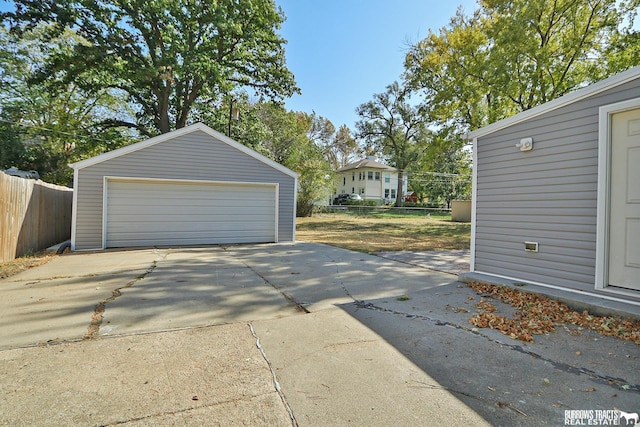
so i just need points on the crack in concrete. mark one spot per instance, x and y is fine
(564, 367)
(610, 381)
(299, 306)
(467, 394)
(276, 384)
(342, 285)
(179, 411)
(98, 312)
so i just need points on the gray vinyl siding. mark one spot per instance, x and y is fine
(548, 195)
(194, 156)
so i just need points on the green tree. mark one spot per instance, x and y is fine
(284, 131)
(315, 182)
(165, 55)
(50, 126)
(12, 150)
(393, 127)
(623, 51)
(286, 137)
(343, 148)
(339, 147)
(512, 55)
(321, 130)
(444, 172)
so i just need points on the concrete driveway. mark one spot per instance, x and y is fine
(302, 334)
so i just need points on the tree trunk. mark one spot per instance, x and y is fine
(163, 110)
(399, 195)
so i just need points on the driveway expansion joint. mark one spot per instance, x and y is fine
(98, 312)
(276, 384)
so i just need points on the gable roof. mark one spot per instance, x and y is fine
(601, 86)
(177, 133)
(366, 163)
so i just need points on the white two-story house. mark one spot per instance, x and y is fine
(369, 179)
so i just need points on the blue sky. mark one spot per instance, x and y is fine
(342, 52)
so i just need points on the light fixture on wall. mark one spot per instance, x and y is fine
(525, 144)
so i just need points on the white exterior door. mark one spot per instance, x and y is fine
(624, 227)
(166, 213)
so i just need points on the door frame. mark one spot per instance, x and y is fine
(604, 195)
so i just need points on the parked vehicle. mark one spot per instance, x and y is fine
(343, 199)
(13, 171)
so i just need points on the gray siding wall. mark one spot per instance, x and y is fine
(548, 195)
(194, 156)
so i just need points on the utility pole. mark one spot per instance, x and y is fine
(234, 114)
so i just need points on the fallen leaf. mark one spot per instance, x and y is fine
(589, 390)
(195, 397)
(537, 314)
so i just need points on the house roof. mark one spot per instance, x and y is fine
(366, 163)
(177, 133)
(570, 98)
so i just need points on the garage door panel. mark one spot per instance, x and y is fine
(173, 242)
(190, 187)
(150, 213)
(196, 214)
(194, 197)
(188, 200)
(183, 238)
(164, 227)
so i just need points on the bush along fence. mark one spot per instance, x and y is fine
(33, 216)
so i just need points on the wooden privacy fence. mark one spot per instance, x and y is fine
(33, 215)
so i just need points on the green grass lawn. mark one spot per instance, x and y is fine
(377, 231)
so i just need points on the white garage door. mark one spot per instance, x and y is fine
(167, 213)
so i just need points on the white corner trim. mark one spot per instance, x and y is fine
(105, 197)
(74, 210)
(474, 201)
(604, 179)
(571, 290)
(276, 229)
(295, 209)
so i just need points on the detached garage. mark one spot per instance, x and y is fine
(193, 186)
(556, 193)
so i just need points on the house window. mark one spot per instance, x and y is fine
(353, 190)
(393, 193)
(362, 191)
(377, 176)
(353, 176)
(387, 178)
(359, 176)
(344, 181)
(370, 176)
(386, 193)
